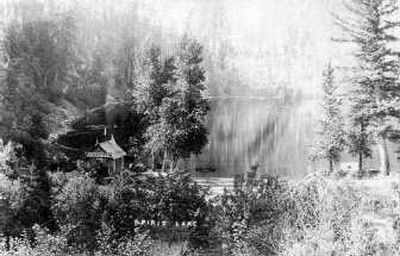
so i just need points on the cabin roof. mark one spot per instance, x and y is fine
(108, 149)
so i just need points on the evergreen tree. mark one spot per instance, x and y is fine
(190, 82)
(36, 207)
(359, 138)
(180, 131)
(333, 135)
(376, 85)
(160, 72)
(89, 86)
(150, 92)
(41, 60)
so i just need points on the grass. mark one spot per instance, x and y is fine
(358, 217)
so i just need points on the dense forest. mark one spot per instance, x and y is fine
(60, 97)
(77, 80)
(240, 56)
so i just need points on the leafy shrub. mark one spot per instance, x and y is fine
(46, 244)
(172, 197)
(77, 204)
(12, 197)
(43, 244)
(249, 218)
(139, 245)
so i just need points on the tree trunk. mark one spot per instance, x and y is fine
(384, 154)
(174, 163)
(330, 166)
(164, 162)
(360, 163)
(153, 162)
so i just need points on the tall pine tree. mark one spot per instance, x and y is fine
(371, 27)
(333, 135)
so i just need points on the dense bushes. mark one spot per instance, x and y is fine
(77, 205)
(270, 216)
(85, 208)
(259, 214)
(47, 244)
(313, 216)
(172, 197)
(25, 194)
(82, 208)
(248, 218)
(12, 197)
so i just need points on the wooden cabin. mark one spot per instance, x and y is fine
(109, 152)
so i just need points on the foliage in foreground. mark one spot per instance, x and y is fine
(314, 216)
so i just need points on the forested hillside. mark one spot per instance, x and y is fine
(248, 55)
(104, 103)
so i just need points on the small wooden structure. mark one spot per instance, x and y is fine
(111, 153)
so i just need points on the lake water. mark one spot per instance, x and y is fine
(276, 136)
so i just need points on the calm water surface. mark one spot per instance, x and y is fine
(276, 136)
